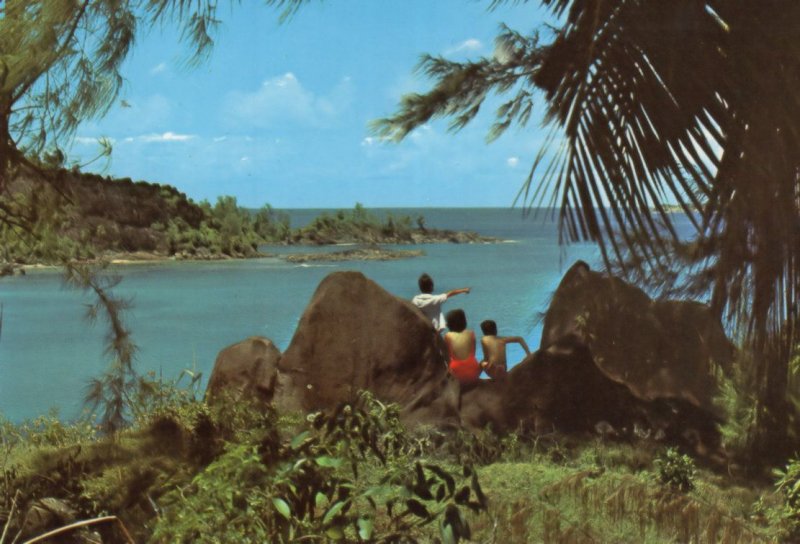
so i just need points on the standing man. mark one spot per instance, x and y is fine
(430, 304)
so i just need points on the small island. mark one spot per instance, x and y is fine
(88, 217)
(372, 253)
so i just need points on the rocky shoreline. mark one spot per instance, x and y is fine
(357, 254)
(370, 252)
(415, 236)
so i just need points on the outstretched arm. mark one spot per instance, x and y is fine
(517, 340)
(455, 292)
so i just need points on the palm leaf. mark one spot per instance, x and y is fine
(653, 103)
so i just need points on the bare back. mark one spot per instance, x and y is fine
(462, 344)
(494, 350)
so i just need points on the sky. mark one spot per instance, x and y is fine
(280, 113)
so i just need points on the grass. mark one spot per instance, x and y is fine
(550, 490)
(609, 492)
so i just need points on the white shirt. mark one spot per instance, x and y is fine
(431, 306)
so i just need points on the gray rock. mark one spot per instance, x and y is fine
(247, 368)
(658, 348)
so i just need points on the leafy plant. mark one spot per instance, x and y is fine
(788, 485)
(739, 408)
(345, 477)
(46, 430)
(676, 470)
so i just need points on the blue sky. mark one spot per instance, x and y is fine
(279, 113)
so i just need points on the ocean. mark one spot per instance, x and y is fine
(184, 313)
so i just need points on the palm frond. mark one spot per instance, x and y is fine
(655, 103)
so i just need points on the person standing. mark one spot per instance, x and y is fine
(430, 304)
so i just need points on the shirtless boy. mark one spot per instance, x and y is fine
(494, 349)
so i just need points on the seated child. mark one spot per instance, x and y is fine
(494, 349)
(461, 348)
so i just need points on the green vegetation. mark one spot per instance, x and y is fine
(92, 217)
(676, 470)
(234, 472)
(361, 226)
(638, 118)
(356, 225)
(788, 484)
(185, 471)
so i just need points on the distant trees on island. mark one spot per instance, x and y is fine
(90, 216)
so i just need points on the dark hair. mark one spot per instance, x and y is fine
(425, 283)
(456, 320)
(489, 327)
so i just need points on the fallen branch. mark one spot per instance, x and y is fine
(16, 495)
(78, 525)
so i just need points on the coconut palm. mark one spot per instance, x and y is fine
(690, 102)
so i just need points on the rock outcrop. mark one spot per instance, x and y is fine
(558, 388)
(354, 335)
(659, 349)
(562, 389)
(248, 368)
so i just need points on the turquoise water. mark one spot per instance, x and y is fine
(184, 313)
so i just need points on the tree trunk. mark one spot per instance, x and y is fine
(769, 440)
(7, 148)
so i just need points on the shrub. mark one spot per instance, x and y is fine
(788, 485)
(47, 430)
(738, 405)
(676, 470)
(345, 477)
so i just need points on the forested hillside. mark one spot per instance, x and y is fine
(80, 216)
(85, 216)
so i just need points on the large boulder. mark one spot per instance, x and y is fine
(246, 369)
(354, 335)
(659, 349)
(560, 388)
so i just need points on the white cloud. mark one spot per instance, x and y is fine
(220, 138)
(283, 99)
(244, 159)
(91, 140)
(163, 137)
(469, 45)
(158, 68)
(512, 161)
(374, 140)
(167, 137)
